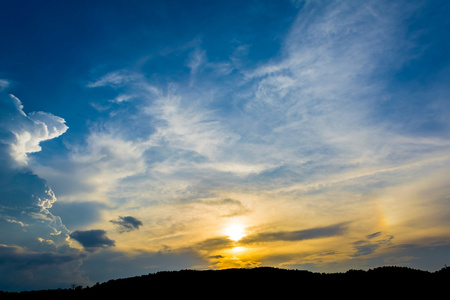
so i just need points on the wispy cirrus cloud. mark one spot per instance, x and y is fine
(187, 126)
(4, 84)
(303, 138)
(302, 122)
(114, 79)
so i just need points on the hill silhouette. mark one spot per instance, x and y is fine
(387, 282)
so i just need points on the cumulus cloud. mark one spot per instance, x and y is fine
(92, 240)
(34, 242)
(25, 197)
(127, 223)
(23, 133)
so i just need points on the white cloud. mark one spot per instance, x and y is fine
(103, 162)
(121, 98)
(310, 105)
(298, 130)
(114, 79)
(196, 59)
(186, 125)
(4, 84)
(28, 131)
(26, 198)
(320, 95)
(35, 243)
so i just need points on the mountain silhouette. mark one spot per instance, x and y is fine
(263, 282)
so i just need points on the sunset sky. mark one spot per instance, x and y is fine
(141, 136)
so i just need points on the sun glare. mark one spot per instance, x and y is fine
(238, 249)
(235, 231)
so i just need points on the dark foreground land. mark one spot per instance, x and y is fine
(265, 283)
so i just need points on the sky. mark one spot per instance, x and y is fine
(145, 136)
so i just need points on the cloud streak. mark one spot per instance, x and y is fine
(114, 79)
(370, 244)
(296, 235)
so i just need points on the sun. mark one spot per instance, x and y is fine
(235, 231)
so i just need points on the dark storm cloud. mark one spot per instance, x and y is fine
(128, 223)
(21, 268)
(13, 255)
(92, 239)
(299, 235)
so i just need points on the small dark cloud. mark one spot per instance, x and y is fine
(299, 235)
(364, 248)
(373, 235)
(370, 244)
(92, 239)
(128, 223)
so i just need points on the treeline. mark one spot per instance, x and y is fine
(267, 282)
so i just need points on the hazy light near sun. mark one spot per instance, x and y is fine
(235, 231)
(238, 249)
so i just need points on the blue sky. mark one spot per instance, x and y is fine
(139, 136)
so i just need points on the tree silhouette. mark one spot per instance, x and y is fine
(264, 282)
